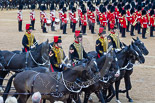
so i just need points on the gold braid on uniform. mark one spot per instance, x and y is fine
(59, 55)
(116, 40)
(104, 44)
(30, 38)
(79, 50)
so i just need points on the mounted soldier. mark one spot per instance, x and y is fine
(76, 50)
(113, 38)
(28, 39)
(57, 55)
(101, 43)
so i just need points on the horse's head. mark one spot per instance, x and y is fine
(45, 50)
(141, 46)
(141, 57)
(132, 54)
(2, 61)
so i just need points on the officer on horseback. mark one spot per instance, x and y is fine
(57, 55)
(28, 39)
(113, 38)
(101, 43)
(76, 50)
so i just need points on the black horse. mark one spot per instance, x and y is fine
(16, 62)
(140, 48)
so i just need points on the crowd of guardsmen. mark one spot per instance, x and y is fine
(125, 16)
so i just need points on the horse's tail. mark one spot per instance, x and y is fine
(8, 86)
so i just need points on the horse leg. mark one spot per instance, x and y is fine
(100, 96)
(44, 100)
(2, 76)
(117, 83)
(76, 98)
(86, 97)
(22, 99)
(128, 87)
(111, 94)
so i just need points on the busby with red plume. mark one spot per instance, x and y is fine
(28, 26)
(77, 34)
(57, 39)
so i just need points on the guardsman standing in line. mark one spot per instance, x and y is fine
(89, 5)
(97, 12)
(41, 17)
(123, 23)
(152, 22)
(52, 17)
(84, 21)
(76, 50)
(101, 43)
(132, 21)
(64, 20)
(144, 22)
(128, 15)
(57, 55)
(74, 21)
(108, 16)
(103, 19)
(119, 19)
(139, 15)
(44, 19)
(70, 15)
(28, 40)
(60, 14)
(92, 19)
(112, 16)
(80, 12)
(32, 16)
(20, 18)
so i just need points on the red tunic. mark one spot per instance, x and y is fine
(92, 18)
(20, 17)
(64, 18)
(83, 20)
(144, 22)
(152, 21)
(103, 19)
(32, 15)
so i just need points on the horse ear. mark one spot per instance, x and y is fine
(134, 39)
(47, 41)
(124, 44)
(137, 38)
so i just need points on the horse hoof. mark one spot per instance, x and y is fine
(118, 101)
(130, 100)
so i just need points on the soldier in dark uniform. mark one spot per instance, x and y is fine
(57, 55)
(113, 38)
(28, 39)
(76, 50)
(101, 43)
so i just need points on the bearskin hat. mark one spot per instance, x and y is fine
(109, 7)
(106, 3)
(151, 12)
(73, 9)
(132, 11)
(52, 7)
(100, 7)
(103, 9)
(150, 6)
(61, 5)
(153, 7)
(139, 8)
(70, 7)
(84, 11)
(119, 5)
(97, 3)
(20, 7)
(144, 12)
(123, 4)
(123, 12)
(80, 2)
(88, 3)
(92, 8)
(133, 4)
(64, 9)
(32, 6)
(143, 4)
(120, 0)
(112, 9)
(113, 1)
(115, 4)
(44, 7)
(72, 3)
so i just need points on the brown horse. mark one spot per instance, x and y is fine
(49, 83)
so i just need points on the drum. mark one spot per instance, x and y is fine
(57, 21)
(48, 23)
